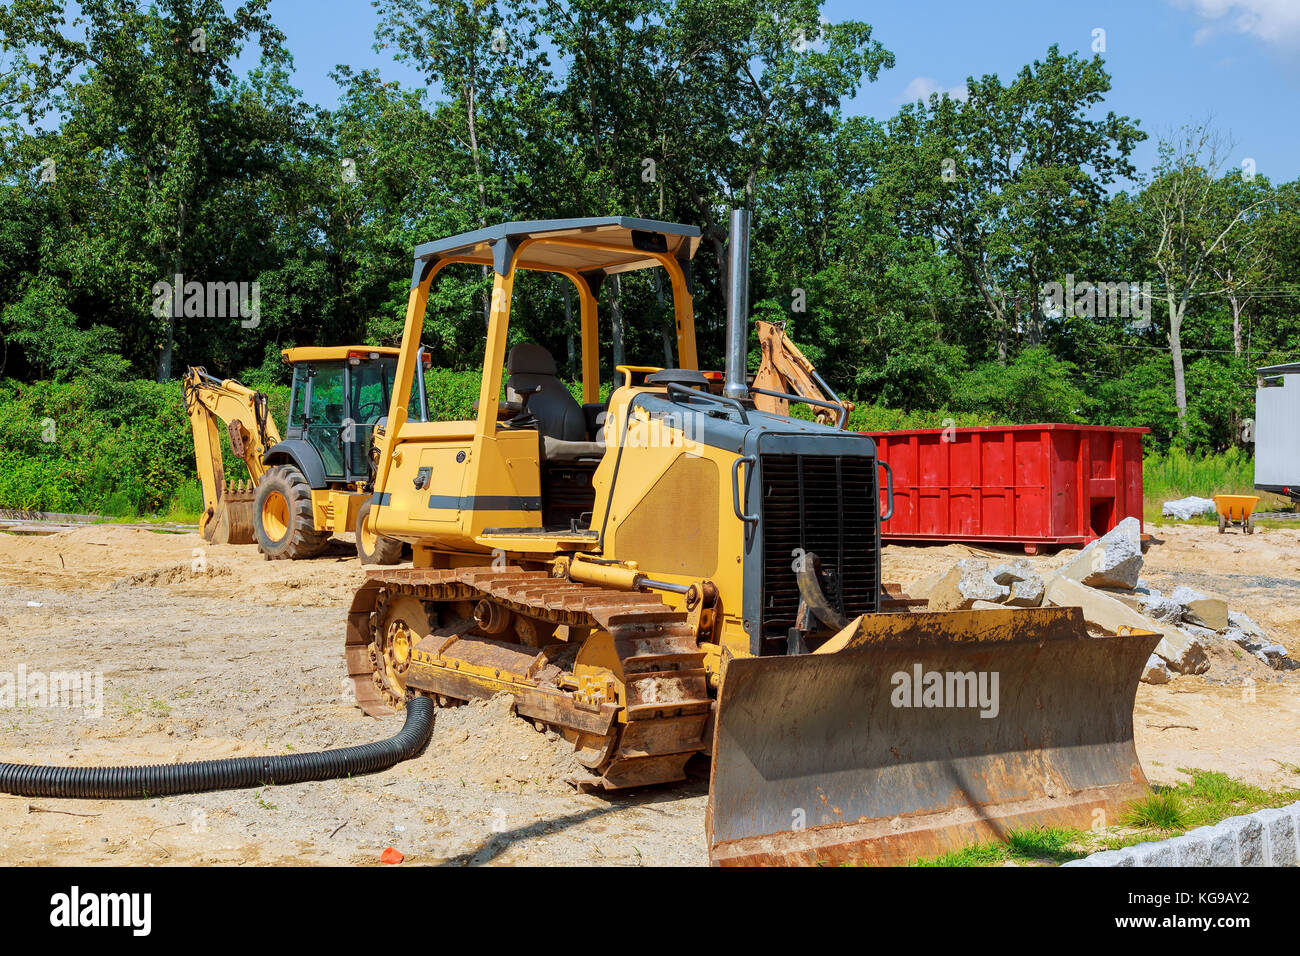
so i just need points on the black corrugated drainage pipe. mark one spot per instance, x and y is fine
(159, 780)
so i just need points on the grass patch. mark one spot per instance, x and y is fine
(1208, 797)
(1031, 845)
(1205, 799)
(1213, 796)
(1177, 474)
(1159, 810)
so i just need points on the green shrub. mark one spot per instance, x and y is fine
(121, 449)
(1177, 474)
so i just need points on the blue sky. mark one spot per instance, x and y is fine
(1171, 61)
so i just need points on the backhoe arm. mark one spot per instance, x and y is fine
(785, 369)
(209, 400)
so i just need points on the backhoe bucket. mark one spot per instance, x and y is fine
(232, 521)
(922, 733)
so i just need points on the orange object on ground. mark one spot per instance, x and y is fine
(391, 855)
(1236, 510)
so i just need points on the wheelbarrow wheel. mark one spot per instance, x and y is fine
(1223, 524)
(1250, 525)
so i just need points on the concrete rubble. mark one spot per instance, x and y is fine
(1112, 561)
(1206, 610)
(1026, 584)
(967, 582)
(1104, 581)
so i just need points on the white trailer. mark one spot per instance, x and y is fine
(1277, 430)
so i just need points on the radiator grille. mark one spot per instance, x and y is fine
(827, 505)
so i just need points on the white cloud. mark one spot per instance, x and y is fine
(1275, 21)
(921, 88)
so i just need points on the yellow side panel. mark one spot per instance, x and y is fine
(674, 528)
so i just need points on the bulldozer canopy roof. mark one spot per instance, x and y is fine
(597, 245)
(334, 353)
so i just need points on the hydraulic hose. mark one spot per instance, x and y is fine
(158, 780)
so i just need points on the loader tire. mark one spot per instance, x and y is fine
(283, 520)
(375, 548)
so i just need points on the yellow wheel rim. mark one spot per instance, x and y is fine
(275, 516)
(369, 540)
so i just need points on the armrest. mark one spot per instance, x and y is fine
(504, 409)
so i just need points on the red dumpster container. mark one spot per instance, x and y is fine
(1033, 485)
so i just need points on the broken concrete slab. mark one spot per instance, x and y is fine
(1133, 599)
(1027, 592)
(1271, 654)
(965, 583)
(1184, 653)
(1207, 610)
(1241, 639)
(1099, 609)
(923, 587)
(1113, 561)
(1156, 671)
(1242, 622)
(1162, 609)
(1018, 570)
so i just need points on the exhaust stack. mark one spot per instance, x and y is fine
(737, 305)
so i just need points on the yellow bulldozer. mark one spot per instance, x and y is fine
(674, 573)
(314, 482)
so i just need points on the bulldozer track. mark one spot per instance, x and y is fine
(662, 708)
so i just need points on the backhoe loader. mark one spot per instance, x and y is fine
(672, 573)
(317, 480)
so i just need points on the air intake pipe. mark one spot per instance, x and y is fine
(735, 385)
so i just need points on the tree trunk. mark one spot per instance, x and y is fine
(1236, 323)
(169, 342)
(668, 321)
(566, 294)
(1176, 311)
(616, 318)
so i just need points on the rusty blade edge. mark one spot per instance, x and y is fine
(896, 841)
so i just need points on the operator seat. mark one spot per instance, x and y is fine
(559, 417)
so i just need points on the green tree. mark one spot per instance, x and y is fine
(1011, 179)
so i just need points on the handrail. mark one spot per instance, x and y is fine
(689, 393)
(735, 487)
(786, 396)
(889, 488)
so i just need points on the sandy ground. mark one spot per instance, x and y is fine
(211, 652)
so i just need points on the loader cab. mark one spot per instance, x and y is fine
(526, 465)
(336, 398)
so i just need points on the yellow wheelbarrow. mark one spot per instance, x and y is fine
(1236, 510)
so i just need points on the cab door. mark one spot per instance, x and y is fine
(325, 423)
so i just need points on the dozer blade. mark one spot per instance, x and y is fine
(856, 756)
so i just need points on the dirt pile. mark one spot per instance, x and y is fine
(176, 574)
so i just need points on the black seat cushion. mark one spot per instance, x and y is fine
(557, 412)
